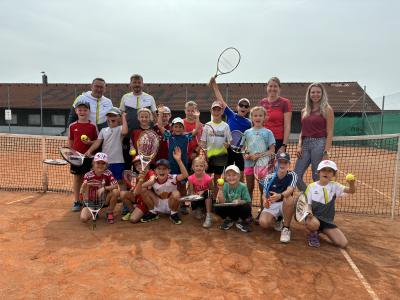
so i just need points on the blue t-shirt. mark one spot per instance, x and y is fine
(181, 141)
(280, 185)
(257, 140)
(235, 121)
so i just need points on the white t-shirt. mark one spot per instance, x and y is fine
(112, 144)
(164, 190)
(323, 194)
(215, 137)
(143, 100)
(98, 107)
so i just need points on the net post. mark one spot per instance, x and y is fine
(395, 178)
(45, 179)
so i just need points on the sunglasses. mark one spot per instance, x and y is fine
(244, 105)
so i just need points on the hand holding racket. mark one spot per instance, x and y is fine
(94, 197)
(72, 156)
(228, 61)
(301, 208)
(237, 142)
(129, 179)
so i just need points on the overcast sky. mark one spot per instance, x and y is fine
(179, 41)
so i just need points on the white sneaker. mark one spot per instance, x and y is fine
(208, 221)
(285, 235)
(278, 225)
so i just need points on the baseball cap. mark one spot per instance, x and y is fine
(162, 162)
(82, 102)
(233, 168)
(166, 110)
(244, 100)
(177, 120)
(327, 164)
(114, 111)
(101, 157)
(135, 159)
(216, 104)
(283, 156)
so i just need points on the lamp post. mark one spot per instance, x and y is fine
(44, 82)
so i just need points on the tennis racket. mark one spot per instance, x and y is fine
(263, 166)
(228, 61)
(301, 208)
(209, 133)
(225, 204)
(94, 198)
(191, 198)
(148, 143)
(129, 179)
(55, 162)
(72, 156)
(267, 185)
(236, 142)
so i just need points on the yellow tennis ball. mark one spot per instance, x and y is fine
(220, 181)
(132, 152)
(84, 138)
(350, 177)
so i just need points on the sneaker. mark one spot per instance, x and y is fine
(243, 226)
(313, 239)
(198, 213)
(175, 219)
(126, 217)
(285, 235)
(208, 221)
(149, 217)
(278, 225)
(125, 210)
(76, 206)
(183, 209)
(110, 218)
(228, 223)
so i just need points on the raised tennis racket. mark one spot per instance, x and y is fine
(129, 179)
(148, 143)
(72, 156)
(236, 142)
(94, 198)
(228, 61)
(301, 208)
(55, 162)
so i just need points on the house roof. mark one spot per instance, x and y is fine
(343, 96)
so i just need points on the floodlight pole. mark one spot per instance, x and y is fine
(44, 82)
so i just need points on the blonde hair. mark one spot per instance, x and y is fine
(199, 159)
(145, 109)
(258, 108)
(190, 103)
(323, 103)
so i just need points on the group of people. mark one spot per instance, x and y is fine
(192, 157)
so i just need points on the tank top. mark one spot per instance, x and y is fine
(313, 126)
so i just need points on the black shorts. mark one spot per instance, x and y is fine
(82, 170)
(235, 158)
(278, 144)
(324, 225)
(216, 164)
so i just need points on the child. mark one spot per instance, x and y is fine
(234, 191)
(256, 140)
(165, 114)
(100, 173)
(321, 197)
(216, 137)
(137, 195)
(280, 197)
(167, 196)
(110, 138)
(200, 183)
(83, 126)
(190, 124)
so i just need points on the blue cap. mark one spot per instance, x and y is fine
(82, 102)
(162, 162)
(283, 156)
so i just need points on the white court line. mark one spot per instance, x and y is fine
(20, 200)
(359, 275)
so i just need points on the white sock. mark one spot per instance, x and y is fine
(153, 211)
(173, 212)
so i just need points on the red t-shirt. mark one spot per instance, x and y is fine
(76, 130)
(275, 111)
(107, 176)
(193, 144)
(314, 126)
(163, 148)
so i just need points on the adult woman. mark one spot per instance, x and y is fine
(279, 114)
(316, 134)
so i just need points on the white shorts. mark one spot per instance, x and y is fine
(162, 206)
(275, 209)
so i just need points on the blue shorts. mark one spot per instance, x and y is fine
(117, 170)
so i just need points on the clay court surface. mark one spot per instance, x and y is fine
(47, 253)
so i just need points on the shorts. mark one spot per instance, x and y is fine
(140, 204)
(235, 158)
(217, 163)
(117, 170)
(162, 206)
(201, 203)
(325, 225)
(275, 209)
(82, 170)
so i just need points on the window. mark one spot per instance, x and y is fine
(34, 119)
(58, 120)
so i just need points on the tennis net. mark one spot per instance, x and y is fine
(374, 160)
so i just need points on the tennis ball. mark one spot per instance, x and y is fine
(84, 138)
(350, 177)
(132, 152)
(220, 181)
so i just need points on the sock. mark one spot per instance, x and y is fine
(173, 212)
(153, 211)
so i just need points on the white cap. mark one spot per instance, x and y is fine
(166, 110)
(327, 164)
(178, 120)
(233, 168)
(101, 157)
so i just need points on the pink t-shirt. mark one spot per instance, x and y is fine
(200, 185)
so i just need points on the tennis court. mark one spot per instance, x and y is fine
(47, 253)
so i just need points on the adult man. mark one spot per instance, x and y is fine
(131, 102)
(99, 104)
